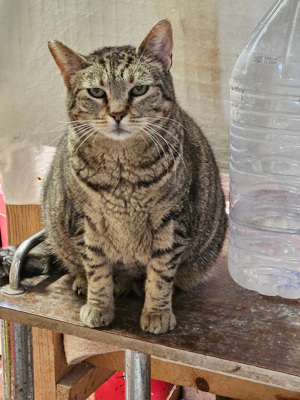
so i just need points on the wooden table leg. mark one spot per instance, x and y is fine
(49, 362)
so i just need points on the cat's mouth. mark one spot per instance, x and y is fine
(120, 130)
(119, 133)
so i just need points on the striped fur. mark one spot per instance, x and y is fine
(133, 192)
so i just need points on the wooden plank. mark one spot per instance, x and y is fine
(212, 325)
(22, 222)
(223, 385)
(226, 386)
(82, 381)
(114, 361)
(49, 362)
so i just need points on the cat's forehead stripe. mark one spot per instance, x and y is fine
(118, 66)
(121, 65)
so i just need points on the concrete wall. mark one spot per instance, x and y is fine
(208, 36)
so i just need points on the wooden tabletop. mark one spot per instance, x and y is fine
(220, 327)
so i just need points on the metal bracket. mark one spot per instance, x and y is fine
(14, 287)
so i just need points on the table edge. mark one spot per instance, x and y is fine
(196, 360)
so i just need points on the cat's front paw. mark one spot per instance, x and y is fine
(158, 322)
(80, 285)
(95, 317)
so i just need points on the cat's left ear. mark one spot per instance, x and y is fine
(67, 60)
(158, 44)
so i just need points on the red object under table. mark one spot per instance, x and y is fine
(114, 389)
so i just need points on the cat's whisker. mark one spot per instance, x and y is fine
(81, 131)
(96, 136)
(155, 132)
(82, 134)
(82, 124)
(152, 133)
(153, 139)
(79, 121)
(167, 143)
(172, 152)
(81, 144)
(56, 128)
(63, 135)
(82, 127)
(72, 123)
(78, 129)
(141, 135)
(167, 118)
(61, 128)
(77, 124)
(67, 122)
(165, 130)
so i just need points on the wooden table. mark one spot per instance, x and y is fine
(228, 340)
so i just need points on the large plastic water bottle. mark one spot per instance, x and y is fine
(264, 228)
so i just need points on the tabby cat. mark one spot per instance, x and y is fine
(133, 193)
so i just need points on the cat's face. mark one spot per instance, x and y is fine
(119, 92)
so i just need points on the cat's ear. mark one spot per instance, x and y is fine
(158, 44)
(67, 60)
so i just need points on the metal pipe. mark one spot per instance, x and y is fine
(16, 342)
(14, 286)
(137, 375)
(16, 339)
(20, 255)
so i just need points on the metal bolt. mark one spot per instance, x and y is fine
(7, 289)
(202, 385)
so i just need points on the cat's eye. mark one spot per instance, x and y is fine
(97, 92)
(139, 90)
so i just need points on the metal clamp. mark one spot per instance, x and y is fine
(14, 287)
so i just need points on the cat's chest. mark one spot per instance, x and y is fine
(115, 185)
(125, 237)
(121, 209)
(115, 192)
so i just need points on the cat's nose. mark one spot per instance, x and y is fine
(118, 116)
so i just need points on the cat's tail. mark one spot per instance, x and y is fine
(40, 260)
